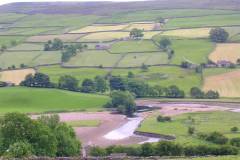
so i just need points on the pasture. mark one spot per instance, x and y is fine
(33, 100)
(94, 58)
(206, 122)
(27, 47)
(15, 76)
(134, 46)
(153, 15)
(31, 58)
(142, 26)
(188, 33)
(227, 84)
(55, 72)
(228, 52)
(10, 17)
(6, 40)
(100, 28)
(63, 37)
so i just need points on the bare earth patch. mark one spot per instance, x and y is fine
(227, 84)
(15, 76)
(228, 51)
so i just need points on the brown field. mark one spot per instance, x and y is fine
(15, 76)
(63, 37)
(188, 33)
(100, 28)
(143, 26)
(227, 51)
(227, 84)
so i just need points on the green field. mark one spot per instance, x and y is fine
(32, 58)
(212, 20)
(152, 15)
(27, 47)
(33, 100)
(6, 40)
(10, 17)
(80, 73)
(205, 122)
(134, 46)
(94, 58)
(215, 71)
(165, 76)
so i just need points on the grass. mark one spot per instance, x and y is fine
(152, 15)
(32, 58)
(193, 50)
(27, 47)
(63, 37)
(215, 71)
(149, 58)
(165, 76)
(228, 51)
(55, 72)
(211, 20)
(134, 46)
(100, 28)
(188, 33)
(38, 20)
(227, 84)
(142, 26)
(84, 123)
(205, 122)
(33, 100)
(6, 40)
(94, 58)
(10, 17)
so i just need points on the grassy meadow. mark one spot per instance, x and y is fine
(205, 122)
(34, 100)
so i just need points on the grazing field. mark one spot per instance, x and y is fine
(15, 76)
(32, 58)
(28, 31)
(165, 76)
(38, 20)
(193, 50)
(188, 33)
(142, 26)
(236, 38)
(152, 15)
(94, 58)
(63, 37)
(100, 28)
(227, 84)
(134, 46)
(10, 17)
(206, 122)
(212, 20)
(104, 36)
(27, 47)
(228, 51)
(215, 71)
(6, 40)
(138, 59)
(33, 100)
(55, 72)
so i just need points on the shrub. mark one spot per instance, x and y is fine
(147, 149)
(167, 148)
(216, 137)
(195, 92)
(234, 129)
(191, 130)
(98, 152)
(235, 142)
(19, 150)
(163, 119)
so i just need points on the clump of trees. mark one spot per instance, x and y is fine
(197, 93)
(165, 43)
(161, 118)
(218, 35)
(136, 33)
(214, 137)
(38, 80)
(47, 136)
(166, 148)
(54, 45)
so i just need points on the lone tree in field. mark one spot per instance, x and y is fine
(165, 43)
(136, 33)
(219, 35)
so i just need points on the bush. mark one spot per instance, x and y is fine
(218, 35)
(174, 92)
(191, 130)
(235, 142)
(212, 95)
(217, 138)
(163, 119)
(19, 150)
(147, 150)
(195, 92)
(68, 82)
(98, 152)
(234, 129)
(167, 148)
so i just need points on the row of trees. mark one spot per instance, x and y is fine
(21, 137)
(166, 148)
(197, 93)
